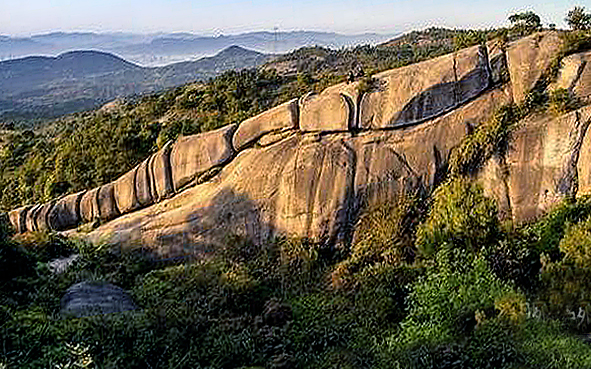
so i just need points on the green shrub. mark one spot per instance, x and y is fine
(561, 101)
(488, 139)
(450, 312)
(576, 244)
(460, 216)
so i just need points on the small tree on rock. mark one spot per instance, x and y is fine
(577, 19)
(525, 23)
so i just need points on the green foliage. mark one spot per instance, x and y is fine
(488, 139)
(525, 23)
(576, 244)
(561, 101)
(577, 19)
(467, 39)
(460, 217)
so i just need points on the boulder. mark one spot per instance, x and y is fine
(425, 90)
(18, 218)
(66, 212)
(528, 58)
(124, 192)
(95, 298)
(325, 113)
(282, 117)
(143, 184)
(89, 209)
(194, 155)
(352, 94)
(161, 173)
(107, 205)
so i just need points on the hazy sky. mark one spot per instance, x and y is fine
(25, 17)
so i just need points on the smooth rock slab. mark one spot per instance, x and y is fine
(125, 192)
(66, 212)
(325, 113)
(89, 208)
(194, 155)
(528, 58)
(282, 117)
(95, 298)
(18, 218)
(415, 93)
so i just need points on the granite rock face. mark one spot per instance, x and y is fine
(307, 168)
(528, 59)
(415, 93)
(281, 118)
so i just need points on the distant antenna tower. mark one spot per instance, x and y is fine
(275, 30)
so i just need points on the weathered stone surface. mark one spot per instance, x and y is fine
(41, 218)
(124, 192)
(143, 184)
(528, 58)
(106, 202)
(282, 117)
(584, 163)
(542, 162)
(30, 218)
(425, 90)
(575, 74)
(325, 112)
(192, 156)
(351, 93)
(89, 208)
(60, 265)
(315, 189)
(497, 56)
(18, 218)
(66, 212)
(493, 179)
(95, 298)
(161, 173)
(306, 185)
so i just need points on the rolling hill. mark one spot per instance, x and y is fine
(45, 87)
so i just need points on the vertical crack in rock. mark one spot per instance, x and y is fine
(312, 192)
(352, 124)
(344, 235)
(568, 184)
(580, 71)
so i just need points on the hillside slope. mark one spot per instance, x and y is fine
(307, 167)
(44, 87)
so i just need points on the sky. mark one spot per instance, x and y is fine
(27, 17)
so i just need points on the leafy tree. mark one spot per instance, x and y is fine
(525, 23)
(577, 19)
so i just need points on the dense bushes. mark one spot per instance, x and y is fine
(474, 298)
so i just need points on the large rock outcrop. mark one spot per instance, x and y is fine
(308, 167)
(422, 91)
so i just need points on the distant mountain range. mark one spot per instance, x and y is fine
(45, 87)
(161, 49)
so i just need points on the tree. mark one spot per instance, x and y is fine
(525, 23)
(577, 19)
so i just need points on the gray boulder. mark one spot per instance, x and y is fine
(95, 298)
